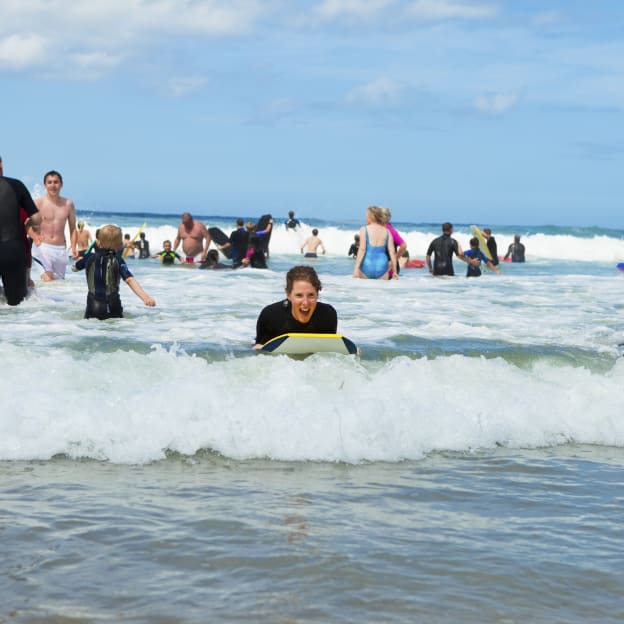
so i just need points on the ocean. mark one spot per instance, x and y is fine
(467, 467)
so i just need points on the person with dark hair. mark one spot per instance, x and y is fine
(516, 250)
(143, 246)
(49, 244)
(491, 244)
(313, 243)
(300, 312)
(17, 212)
(443, 248)
(291, 223)
(474, 257)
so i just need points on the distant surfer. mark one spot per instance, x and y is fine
(291, 223)
(300, 312)
(49, 244)
(474, 257)
(491, 245)
(516, 250)
(355, 245)
(312, 243)
(143, 246)
(195, 238)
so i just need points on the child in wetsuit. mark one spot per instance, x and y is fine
(474, 257)
(104, 268)
(167, 255)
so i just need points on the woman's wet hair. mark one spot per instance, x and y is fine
(305, 274)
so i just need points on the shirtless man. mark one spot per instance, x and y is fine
(83, 239)
(195, 238)
(49, 244)
(312, 243)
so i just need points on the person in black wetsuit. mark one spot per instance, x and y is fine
(492, 246)
(13, 253)
(300, 312)
(443, 249)
(104, 269)
(239, 243)
(516, 250)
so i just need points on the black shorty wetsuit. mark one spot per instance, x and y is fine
(104, 269)
(277, 319)
(443, 247)
(13, 255)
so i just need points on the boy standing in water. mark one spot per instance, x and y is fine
(474, 257)
(104, 268)
(313, 243)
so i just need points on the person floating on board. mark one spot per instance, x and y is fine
(195, 238)
(443, 248)
(167, 255)
(143, 246)
(104, 268)
(491, 244)
(474, 259)
(355, 245)
(49, 244)
(516, 250)
(312, 243)
(300, 312)
(291, 223)
(376, 258)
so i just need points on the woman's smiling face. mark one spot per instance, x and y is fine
(303, 298)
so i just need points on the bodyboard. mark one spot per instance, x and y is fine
(620, 266)
(482, 242)
(300, 344)
(220, 238)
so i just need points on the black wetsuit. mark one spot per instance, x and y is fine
(277, 319)
(239, 240)
(491, 244)
(516, 251)
(13, 255)
(104, 269)
(443, 247)
(143, 246)
(169, 257)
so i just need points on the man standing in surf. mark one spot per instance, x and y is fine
(49, 243)
(195, 238)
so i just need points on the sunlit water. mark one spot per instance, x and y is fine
(467, 467)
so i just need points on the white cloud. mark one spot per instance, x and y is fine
(495, 103)
(102, 33)
(379, 92)
(17, 51)
(432, 10)
(183, 85)
(332, 9)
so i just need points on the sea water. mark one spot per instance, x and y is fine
(468, 466)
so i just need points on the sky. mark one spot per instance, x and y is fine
(471, 111)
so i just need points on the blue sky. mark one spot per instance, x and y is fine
(486, 111)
